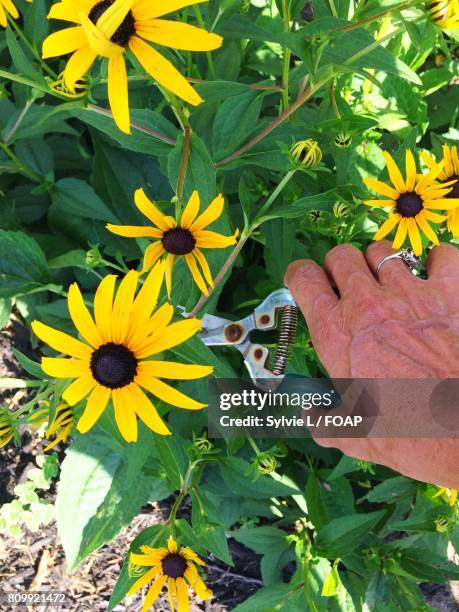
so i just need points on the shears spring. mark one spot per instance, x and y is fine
(280, 307)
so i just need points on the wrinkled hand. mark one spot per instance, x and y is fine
(389, 324)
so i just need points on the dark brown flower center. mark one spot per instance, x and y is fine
(178, 241)
(125, 30)
(454, 193)
(409, 204)
(113, 365)
(174, 565)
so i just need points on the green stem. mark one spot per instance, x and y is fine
(333, 99)
(183, 167)
(333, 8)
(210, 61)
(23, 169)
(31, 48)
(267, 205)
(287, 57)
(359, 24)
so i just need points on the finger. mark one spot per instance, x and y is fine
(349, 269)
(312, 292)
(443, 262)
(392, 272)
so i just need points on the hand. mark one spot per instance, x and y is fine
(386, 325)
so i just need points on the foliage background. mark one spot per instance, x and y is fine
(66, 171)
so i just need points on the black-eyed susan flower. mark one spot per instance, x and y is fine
(113, 359)
(7, 7)
(306, 153)
(444, 13)
(7, 427)
(412, 201)
(60, 426)
(179, 239)
(107, 28)
(450, 172)
(173, 566)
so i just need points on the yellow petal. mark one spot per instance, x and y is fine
(394, 173)
(153, 592)
(426, 228)
(143, 580)
(99, 43)
(152, 253)
(79, 389)
(146, 411)
(191, 210)
(134, 231)
(152, 213)
(205, 239)
(159, 320)
(113, 17)
(410, 164)
(379, 203)
(96, 404)
(61, 342)
(171, 336)
(197, 276)
(172, 370)
(169, 266)
(103, 306)
(434, 217)
(118, 94)
(64, 41)
(178, 35)
(81, 317)
(400, 236)
(387, 226)
(122, 306)
(211, 214)
(415, 236)
(64, 368)
(149, 9)
(204, 266)
(182, 596)
(168, 394)
(124, 413)
(69, 10)
(147, 297)
(381, 188)
(78, 65)
(163, 71)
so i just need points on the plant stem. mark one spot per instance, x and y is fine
(210, 61)
(287, 57)
(309, 92)
(183, 166)
(333, 8)
(223, 270)
(333, 99)
(23, 169)
(18, 121)
(359, 24)
(267, 205)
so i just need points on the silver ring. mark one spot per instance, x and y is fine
(406, 255)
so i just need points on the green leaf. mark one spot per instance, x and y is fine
(5, 312)
(20, 58)
(144, 123)
(100, 491)
(23, 267)
(173, 459)
(267, 599)
(31, 367)
(342, 535)
(214, 538)
(80, 199)
(391, 490)
(263, 540)
(234, 472)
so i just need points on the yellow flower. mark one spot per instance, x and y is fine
(61, 425)
(179, 240)
(307, 153)
(444, 13)
(450, 172)
(412, 201)
(174, 566)
(7, 428)
(107, 28)
(7, 8)
(113, 360)
(451, 495)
